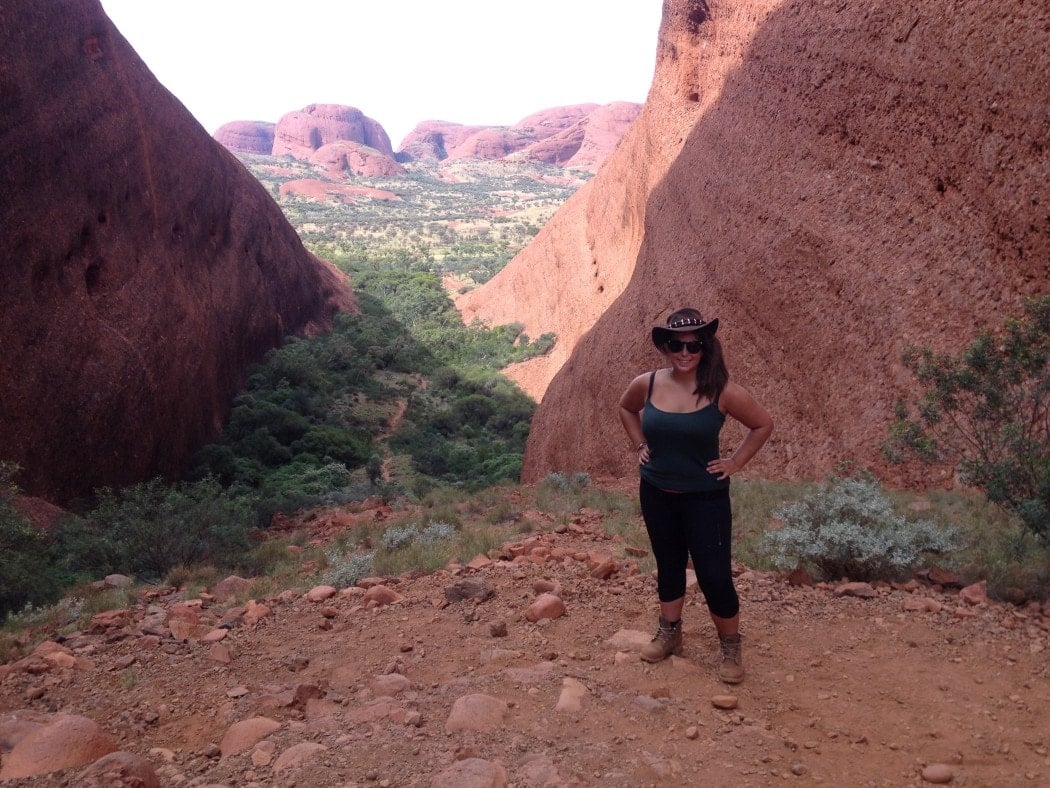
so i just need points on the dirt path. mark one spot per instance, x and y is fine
(840, 690)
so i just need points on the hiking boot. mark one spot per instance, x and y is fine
(667, 641)
(731, 669)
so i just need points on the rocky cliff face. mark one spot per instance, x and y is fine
(849, 179)
(144, 268)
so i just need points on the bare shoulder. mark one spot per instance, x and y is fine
(633, 397)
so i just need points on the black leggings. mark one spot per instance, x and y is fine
(700, 525)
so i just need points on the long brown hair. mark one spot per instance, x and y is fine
(711, 374)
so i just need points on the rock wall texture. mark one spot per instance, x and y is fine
(855, 177)
(144, 268)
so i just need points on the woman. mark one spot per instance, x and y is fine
(673, 417)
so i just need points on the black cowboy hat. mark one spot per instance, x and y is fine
(681, 325)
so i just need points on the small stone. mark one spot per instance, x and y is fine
(469, 588)
(321, 593)
(938, 773)
(859, 590)
(546, 606)
(724, 701)
(219, 653)
(976, 594)
(798, 769)
(692, 732)
(498, 629)
(237, 692)
(381, 595)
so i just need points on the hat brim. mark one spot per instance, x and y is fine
(662, 333)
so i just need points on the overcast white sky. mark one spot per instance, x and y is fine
(486, 62)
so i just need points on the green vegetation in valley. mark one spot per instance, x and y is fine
(465, 219)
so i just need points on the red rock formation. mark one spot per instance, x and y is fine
(344, 156)
(579, 135)
(586, 144)
(246, 136)
(852, 178)
(548, 122)
(144, 267)
(491, 143)
(432, 140)
(300, 133)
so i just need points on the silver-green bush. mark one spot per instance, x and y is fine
(847, 528)
(345, 569)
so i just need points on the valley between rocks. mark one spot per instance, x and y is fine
(361, 688)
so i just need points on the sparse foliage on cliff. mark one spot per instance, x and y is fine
(987, 411)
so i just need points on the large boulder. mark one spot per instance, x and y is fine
(833, 182)
(343, 157)
(247, 136)
(434, 140)
(144, 268)
(300, 133)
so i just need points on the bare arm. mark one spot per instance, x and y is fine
(739, 404)
(630, 410)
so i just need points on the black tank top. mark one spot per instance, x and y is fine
(680, 446)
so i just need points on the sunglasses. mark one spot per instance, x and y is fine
(676, 345)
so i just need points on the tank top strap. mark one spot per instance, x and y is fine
(652, 377)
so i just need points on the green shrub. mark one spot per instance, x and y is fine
(29, 572)
(987, 411)
(848, 528)
(150, 528)
(346, 568)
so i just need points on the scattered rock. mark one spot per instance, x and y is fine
(943, 577)
(119, 769)
(724, 701)
(469, 588)
(379, 595)
(297, 754)
(938, 773)
(243, 735)
(321, 593)
(64, 742)
(471, 773)
(476, 713)
(391, 684)
(229, 588)
(629, 640)
(861, 590)
(254, 612)
(976, 594)
(572, 694)
(546, 606)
